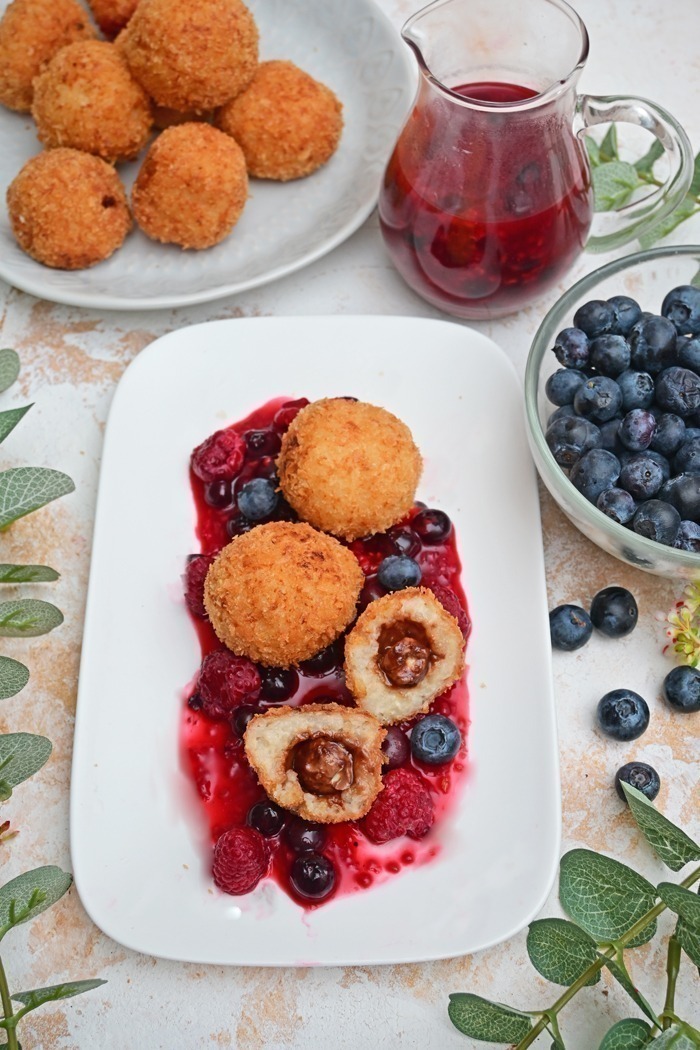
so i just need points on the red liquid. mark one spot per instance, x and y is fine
(213, 756)
(484, 210)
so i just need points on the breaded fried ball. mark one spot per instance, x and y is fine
(287, 123)
(191, 188)
(112, 15)
(31, 32)
(348, 467)
(68, 209)
(281, 592)
(192, 56)
(87, 99)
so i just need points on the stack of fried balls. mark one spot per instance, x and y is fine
(187, 72)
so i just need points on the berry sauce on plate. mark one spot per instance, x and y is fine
(212, 751)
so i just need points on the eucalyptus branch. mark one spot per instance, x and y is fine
(7, 1011)
(673, 964)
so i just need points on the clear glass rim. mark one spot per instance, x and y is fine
(549, 95)
(550, 326)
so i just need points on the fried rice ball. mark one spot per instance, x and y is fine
(31, 32)
(281, 592)
(112, 15)
(192, 56)
(86, 98)
(349, 468)
(68, 209)
(287, 123)
(191, 188)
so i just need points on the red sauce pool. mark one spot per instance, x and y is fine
(212, 754)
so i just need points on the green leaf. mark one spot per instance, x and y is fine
(630, 1034)
(660, 229)
(9, 368)
(677, 1037)
(10, 419)
(674, 847)
(481, 1019)
(604, 897)
(608, 147)
(21, 756)
(13, 677)
(593, 150)
(689, 939)
(561, 951)
(25, 489)
(31, 893)
(36, 998)
(646, 163)
(28, 617)
(623, 978)
(685, 903)
(613, 185)
(694, 190)
(27, 574)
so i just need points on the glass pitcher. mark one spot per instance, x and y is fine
(487, 198)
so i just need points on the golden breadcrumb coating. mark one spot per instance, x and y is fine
(192, 56)
(270, 738)
(87, 99)
(348, 467)
(68, 209)
(31, 32)
(191, 188)
(281, 592)
(287, 123)
(163, 117)
(112, 15)
(372, 690)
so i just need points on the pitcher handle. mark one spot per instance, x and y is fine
(602, 109)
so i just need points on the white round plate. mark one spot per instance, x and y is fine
(354, 49)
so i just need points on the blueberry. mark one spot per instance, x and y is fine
(617, 504)
(653, 342)
(614, 612)
(570, 437)
(687, 459)
(570, 627)
(669, 434)
(691, 433)
(678, 391)
(598, 399)
(688, 538)
(657, 521)
(637, 389)
(257, 499)
(312, 875)
(688, 353)
(396, 748)
(562, 385)
(595, 472)
(266, 817)
(433, 526)
(683, 493)
(262, 443)
(622, 714)
(595, 318)
(610, 354)
(304, 837)
(682, 689)
(563, 412)
(403, 540)
(278, 683)
(637, 429)
(435, 740)
(241, 718)
(627, 312)
(640, 776)
(608, 434)
(661, 460)
(641, 477)
(398, 571)
(571, 348)
(219, 494)
(682, 307)
(324, 661)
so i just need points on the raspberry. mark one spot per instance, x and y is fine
(240, 860)
(197, 569)
(289, 411)
(449, 601)
(225, 682)
(220, 457)
(404, 807)
(436, 568)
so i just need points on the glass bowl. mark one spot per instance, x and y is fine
(647, 277)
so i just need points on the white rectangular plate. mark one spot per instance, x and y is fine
(138, 837)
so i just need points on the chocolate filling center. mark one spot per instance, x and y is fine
(404, 653)
(323, 766)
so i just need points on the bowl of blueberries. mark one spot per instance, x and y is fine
(612, 400)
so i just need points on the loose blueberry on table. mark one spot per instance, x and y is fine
(235, 488)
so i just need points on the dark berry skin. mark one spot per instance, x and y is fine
(682, 307)
(324, 661)
(571, 348)
(683, 493)
(595, 318)
(661, 460)
(219, 494)
(304, 837)
(278, 683)
(262, 443)
(688, 353)
(570, 627)
(313, 876)
(653, 342)
(678, 391)
(257, 499)
(435, 740)
(641, 477)
(657, 521)
(563, 412)
(396, 748)
(241, 718)
(267, 818)
(608, 434)
(627, 312)
(432, 526)
(398, 571)
(637, 389)
(570, 437)
(637, 429)
(403, 540)
(638, 775)
(688, 538)
(598, 399)
(610, 354)
(562, 385)
(681, 689)
(622, 714)
(669, 434)
(595, 472)
(614, 612)
(618, 505)
(687, 459)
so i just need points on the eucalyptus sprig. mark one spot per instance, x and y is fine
(611, 908)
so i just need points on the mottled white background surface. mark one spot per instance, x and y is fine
(72, 360)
